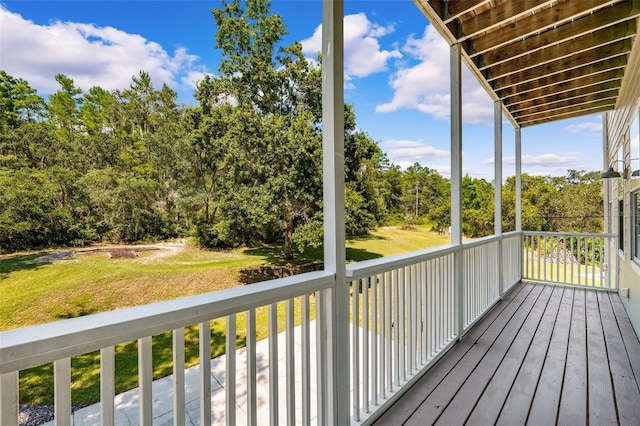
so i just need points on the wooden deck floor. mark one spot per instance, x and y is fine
(545, 355)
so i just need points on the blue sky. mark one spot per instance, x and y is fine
(396, 72)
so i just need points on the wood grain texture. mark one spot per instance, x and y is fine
(448, 388)
(589, 48)
(591, 93)
(564, 12)
(545, 355)
(501, 363)
(494, 320)
(602, 409)
(532, 50)
(622, 377)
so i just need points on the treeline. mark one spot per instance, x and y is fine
(242, 167)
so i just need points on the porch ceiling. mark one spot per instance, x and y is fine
(544, 60)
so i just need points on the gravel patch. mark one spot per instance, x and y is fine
(35, 415)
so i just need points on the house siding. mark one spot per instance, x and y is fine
(618, 130)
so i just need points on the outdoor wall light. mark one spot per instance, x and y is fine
(614, 174)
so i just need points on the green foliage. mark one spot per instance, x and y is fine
(571, 203)
(243, 167)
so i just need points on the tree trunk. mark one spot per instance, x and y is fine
(288, 241)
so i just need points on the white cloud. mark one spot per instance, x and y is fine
(407, 152)
(192, 78)
(585, 126)
(564, 161)
(425, 86)
(90, 55)
(363, 55)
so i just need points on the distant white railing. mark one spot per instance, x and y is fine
(576, 259)
(59, 341)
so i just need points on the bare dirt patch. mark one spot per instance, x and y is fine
(151, 252)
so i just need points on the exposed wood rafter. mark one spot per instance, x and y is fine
(544, 60)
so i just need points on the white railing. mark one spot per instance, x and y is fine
(58, 342)
(511, 259)
(576, 259)
(409, 309)
(481, 278)
(405, 311)
(405, 308)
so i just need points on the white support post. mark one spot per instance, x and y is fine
(609, 248)
(456, 178)
(518, 180)
(9, 399)
(107, 385)
(145, 380)
(204, 350)
(335, 395)
(62, 391)
(178, 378)
(519, 188)
(605, 166)
(497, 146)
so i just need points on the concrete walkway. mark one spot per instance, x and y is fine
(127, 403)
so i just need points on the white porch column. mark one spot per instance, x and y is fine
(497, 133)
(497, 216)
(519, 192)
(518, 180)
(605, 182)
(456, 145)
(334, 386)
(456, 178)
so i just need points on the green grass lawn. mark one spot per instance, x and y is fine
(37, 292)
(582, 275)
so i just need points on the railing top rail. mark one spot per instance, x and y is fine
(511, 234)
(384, 264)
(31, 346)
(569, 234)
(481, 241)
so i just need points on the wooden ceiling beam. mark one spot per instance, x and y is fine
(605, 90)
(496, 16)
(577, 103)
(455, 9)
(578, 113)
(565, 11)
(565, 111)
(550, 85)
(565, 49)
(619, 13)
(566, 69)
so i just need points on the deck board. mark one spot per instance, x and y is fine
(602, 408)
(624, 383)
(438, 401)
(573, 402)
(411, 401)
(502, 359)
(544, 408)
(544, 355)
(511, 390)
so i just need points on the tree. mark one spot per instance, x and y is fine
(536, 192)
(477, 207)
(21, 123)
(577, 204)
